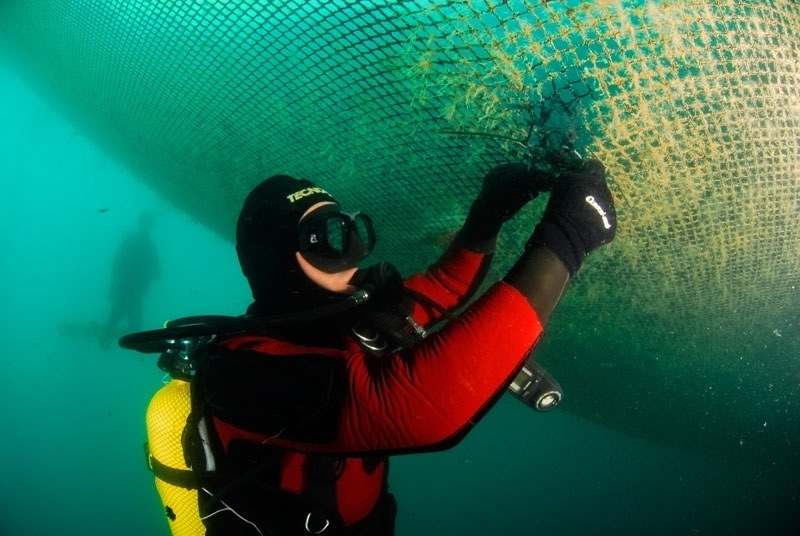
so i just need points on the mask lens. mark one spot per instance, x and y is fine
(336, 231)
(365, 230)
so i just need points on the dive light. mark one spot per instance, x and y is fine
(536, 387)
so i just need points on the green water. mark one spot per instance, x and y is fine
(73, 418)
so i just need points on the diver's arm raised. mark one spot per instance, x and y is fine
(430, 396)
(454, 278)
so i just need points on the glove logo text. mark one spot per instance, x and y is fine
(591, 200)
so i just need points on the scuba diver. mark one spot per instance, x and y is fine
(297, 405)
(135, 266)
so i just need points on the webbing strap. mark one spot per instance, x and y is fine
(183, 478)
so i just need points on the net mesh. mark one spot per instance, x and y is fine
(400, 107)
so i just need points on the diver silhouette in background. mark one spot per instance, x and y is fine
(136, 265)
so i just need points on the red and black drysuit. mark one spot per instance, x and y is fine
(330, 452)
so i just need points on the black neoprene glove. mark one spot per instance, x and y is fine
(579, 217)
(506, 189)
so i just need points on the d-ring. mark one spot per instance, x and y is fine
(320, 531)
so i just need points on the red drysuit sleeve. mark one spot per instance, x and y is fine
(433, 393)
(428, 397)
(449, 282)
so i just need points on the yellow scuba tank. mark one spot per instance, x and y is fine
(166, 418)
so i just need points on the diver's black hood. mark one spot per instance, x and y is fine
(266, 242)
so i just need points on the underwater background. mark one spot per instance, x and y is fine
(73, 415)
(677, 345)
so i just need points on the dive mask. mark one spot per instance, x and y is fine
(334, 241)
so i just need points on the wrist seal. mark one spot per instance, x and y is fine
(563, 240)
